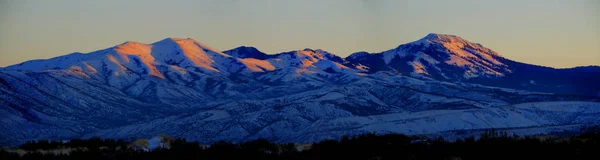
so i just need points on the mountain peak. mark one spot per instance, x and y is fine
(175, 39)
(189, 43)
(447, 38)
(180, 39)
(246, 52)
(246, 47)
(427, 55)
(129, 42)
(131, 47)
(440, 35)
(453, 42)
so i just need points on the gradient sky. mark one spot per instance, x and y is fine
(557, 33)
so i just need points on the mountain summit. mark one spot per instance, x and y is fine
(452, 41)
(438, 85)
(435, 56)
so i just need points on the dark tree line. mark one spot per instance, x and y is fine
(490, 145)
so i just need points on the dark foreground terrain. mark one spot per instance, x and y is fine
(490, 145)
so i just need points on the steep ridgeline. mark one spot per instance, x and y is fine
(436, 56)
(451, 58)
(185, 88)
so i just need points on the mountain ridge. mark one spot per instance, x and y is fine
(187, 89)
(427, 37)
(435, 56)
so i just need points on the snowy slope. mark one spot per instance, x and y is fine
(187, 89)
(309, 124)
(451, 58)
(437, 56)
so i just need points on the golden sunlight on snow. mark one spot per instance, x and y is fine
(257, 65)
(419, 68)
(114, 60)
(311, 57)
(143, 52)
(466, 49)
(362, 67)
(77, 70)
(194, 53)
(340, 65)
(209, 48)
(89, 68)
(303, 71)
(178, 69)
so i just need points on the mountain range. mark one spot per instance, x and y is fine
(438, 85)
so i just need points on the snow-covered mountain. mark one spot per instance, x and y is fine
(182, 87)
(454, 59)
(437, 56)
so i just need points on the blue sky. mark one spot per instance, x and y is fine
(546, 32)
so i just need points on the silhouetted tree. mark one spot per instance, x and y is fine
(491, 144)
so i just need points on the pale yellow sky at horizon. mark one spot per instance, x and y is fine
(544, 32)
